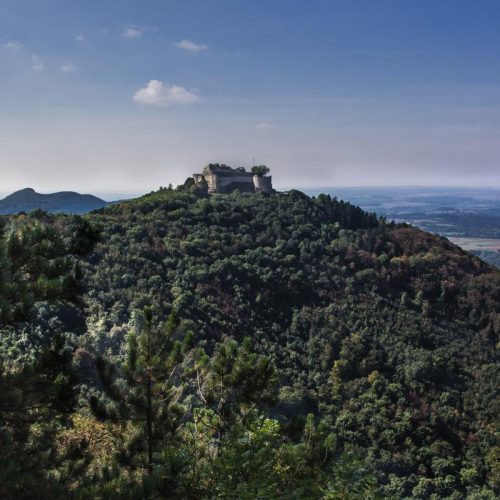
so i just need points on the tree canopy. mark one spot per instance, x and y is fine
(249, 346)
(260, 170)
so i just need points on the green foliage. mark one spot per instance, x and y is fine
(364, 339)
(258, 461)
(34, 402)
(38, 261)
(146, 391)
(379, 328)
(260, 170)
(234, 380)
(39, 276)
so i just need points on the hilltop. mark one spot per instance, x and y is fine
(69, 202)
(384, 334)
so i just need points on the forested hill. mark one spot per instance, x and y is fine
(383, 339)
(28, 199)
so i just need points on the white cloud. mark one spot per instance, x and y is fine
(80, 37)
(14, 45)
(264, 126)
(156, 93)
(67, 68)
(190, 46)
(133, 32)
(37, 63)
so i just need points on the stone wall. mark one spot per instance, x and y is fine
(229, 180)
(262, 184)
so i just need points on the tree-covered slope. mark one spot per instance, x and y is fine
(386, 332)
(383, 340)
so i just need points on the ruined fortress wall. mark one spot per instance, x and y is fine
(225, 181)
(228, 180)
(262, 184)
(218, 183)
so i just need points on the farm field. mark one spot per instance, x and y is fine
(473, 244)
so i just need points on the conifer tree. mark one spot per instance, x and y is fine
(232, 383)
(5, 309)
(144, 393)
(34, 402)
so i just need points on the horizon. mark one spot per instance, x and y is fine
(311, 191)
(109, 99)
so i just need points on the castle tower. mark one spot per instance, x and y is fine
(262, 184)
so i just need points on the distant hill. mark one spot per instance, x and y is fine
(28, 199)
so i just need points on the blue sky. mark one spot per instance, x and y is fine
(124, 96)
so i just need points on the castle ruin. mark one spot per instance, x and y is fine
(224, 179)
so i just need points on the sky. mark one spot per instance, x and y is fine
(124, 96)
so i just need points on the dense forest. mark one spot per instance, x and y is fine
(244, 346)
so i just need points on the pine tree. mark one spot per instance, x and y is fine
(144, 393)
(232, 384)
(34, 403)
(5, 308)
